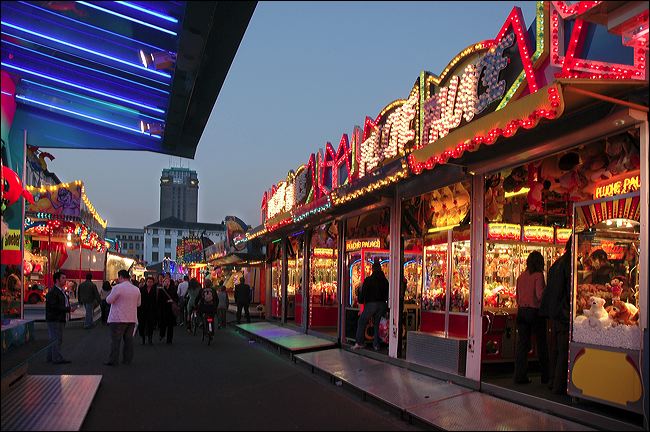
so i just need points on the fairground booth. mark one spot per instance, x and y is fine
(234, 258)
(63, 232)
(140, 76)
(522, 143)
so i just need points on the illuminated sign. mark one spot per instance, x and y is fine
(324, 253)
(619, 185)
(539, 234)
(562, 235)
(503, 231)
(357, 244)
(11, 241)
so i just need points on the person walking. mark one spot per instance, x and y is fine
(556, 305)
(222, 308)
(88, 296)
(147, 311)
(374, 295)
(166, 295)
(182, 291)
(106, 290)
(124, 300)
(57, 308)
(530, 287)
(243, 299)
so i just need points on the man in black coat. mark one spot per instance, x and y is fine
(243, 299)
(555, 305)
(57, 307)
(373, 295)
(88, 296)
(148, 310)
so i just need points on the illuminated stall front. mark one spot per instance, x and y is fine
(477, 168)
(64, 233)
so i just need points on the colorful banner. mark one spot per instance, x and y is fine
(59, 200)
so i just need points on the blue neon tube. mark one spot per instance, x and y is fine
(85, 116)
(147, 11)
(5, 93)
(92, 26)
(138, 66)
(81, 66)
(127, 17)
(101, 93)
(109, 104)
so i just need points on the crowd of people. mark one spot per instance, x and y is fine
(148, 304)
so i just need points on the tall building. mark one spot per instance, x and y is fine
(131, 240)
(179, 194)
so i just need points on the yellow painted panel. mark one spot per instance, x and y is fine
(608, 376)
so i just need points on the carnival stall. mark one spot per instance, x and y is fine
(63, 232)
(475, 169)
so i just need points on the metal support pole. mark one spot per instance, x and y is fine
(22, 229)
(305, 284)
(340, 279)
(395, 273)
(283, 281)
(644, 317)
(475, 341)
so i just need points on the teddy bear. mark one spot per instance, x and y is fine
(436, 206)
(623, 313)
(618, 151)
(447, 199)
(536, 186)
(461, 201)
(596, 314)
(494, 198)
(554, 167)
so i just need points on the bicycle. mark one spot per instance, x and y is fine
(208, 327)
(195, 321)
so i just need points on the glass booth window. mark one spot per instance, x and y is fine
(275, 270)
(607, 271)
(294, 277)
(441, 219)
(323, 276)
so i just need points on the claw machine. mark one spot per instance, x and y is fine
(606, 340)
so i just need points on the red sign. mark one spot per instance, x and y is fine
(619, 185)
(504, 231)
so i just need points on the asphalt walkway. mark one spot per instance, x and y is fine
(231, 385)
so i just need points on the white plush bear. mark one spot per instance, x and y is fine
(597, 315)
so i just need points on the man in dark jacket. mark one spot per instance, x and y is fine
(88, 296)
(555, 305)
(57, 307)
(243, 299)
(374, 295)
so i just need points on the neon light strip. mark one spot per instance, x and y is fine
(147, 11)
(92, 26)
(60, 81)
(80, 66)
(139, 66)
(5, 93)
(540, 37)
(109, 104)
(90, 5)
(84, 115)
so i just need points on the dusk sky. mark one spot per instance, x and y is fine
(304, 74)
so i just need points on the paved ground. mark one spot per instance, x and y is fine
(230, 385)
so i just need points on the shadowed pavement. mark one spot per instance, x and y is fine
(230, 385)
